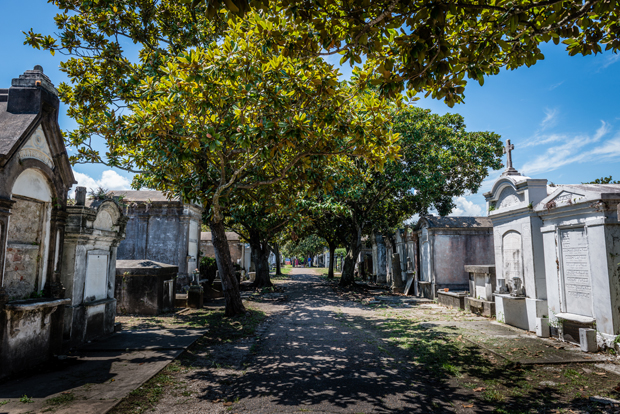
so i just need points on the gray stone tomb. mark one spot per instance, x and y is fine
(145, 287)
(94, 229)
(446, 245)
(35, 177)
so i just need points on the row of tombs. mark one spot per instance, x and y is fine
(556, 248)
(68, 267)
(546, 259)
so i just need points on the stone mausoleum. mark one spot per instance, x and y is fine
(521, 295)
(240, 253)
(161, 230)
(581, 239)
(95, 227)
(445, 246)
(557, 251)
(35, 177)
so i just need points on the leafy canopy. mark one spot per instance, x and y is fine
(433, 46)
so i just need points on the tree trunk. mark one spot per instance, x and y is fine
(234, 304)
(332, 250)
(260, 256)
(276, 249)
(348, 269)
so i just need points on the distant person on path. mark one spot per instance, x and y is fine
(309, 261)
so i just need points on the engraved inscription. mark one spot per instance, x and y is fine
(576, 271)
(567, 198)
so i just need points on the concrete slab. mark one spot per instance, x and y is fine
(98, 377)
(156, 339)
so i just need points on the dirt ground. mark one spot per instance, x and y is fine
(310, 346)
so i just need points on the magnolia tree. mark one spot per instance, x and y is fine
(439, 160)
(228, 116)
(434, 46)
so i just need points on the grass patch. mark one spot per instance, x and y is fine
(286, 270)
(61, 399)
(26, 399)
(145, 397)
(443, 355)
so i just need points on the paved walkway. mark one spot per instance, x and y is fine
(96, 378)
(320, 354)
(319, 357)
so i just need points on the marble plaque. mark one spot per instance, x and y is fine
(96, 284)
(512, 256)
(576, 271)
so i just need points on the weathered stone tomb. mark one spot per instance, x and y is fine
(161, 230)
(445, 246)
(145, 287)
(94, 229)
(35, 177)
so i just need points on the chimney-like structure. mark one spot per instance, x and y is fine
(30, 92)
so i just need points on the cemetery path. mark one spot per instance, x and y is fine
(320, 354)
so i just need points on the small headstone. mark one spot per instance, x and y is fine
(80, 196)
(587, 340)
(542, 327)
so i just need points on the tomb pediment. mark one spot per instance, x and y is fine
(567, 197)
(508, 197)
(37, 147)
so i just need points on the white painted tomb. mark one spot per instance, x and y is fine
(521, 294)
(581, 236)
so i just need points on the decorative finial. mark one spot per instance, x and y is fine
(38, 68)
(508, 151)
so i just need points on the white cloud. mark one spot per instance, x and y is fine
(110, 180)
(551, 118)
(610, 60)
(464, 207)
(555, 85)
(573, 151)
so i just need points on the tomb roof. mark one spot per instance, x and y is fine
(230, 236)
(143, 195)
(12, 128)
(455, 222)
(569, 194)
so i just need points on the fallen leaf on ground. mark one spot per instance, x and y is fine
(467, 405)
(216, 401)
(478, 389)
(227, 404)
(602, 374)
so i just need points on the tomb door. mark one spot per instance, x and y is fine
(576, 272)
(96, 283)
(425, 258)
(512, 257)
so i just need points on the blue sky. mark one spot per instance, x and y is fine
(561, 114)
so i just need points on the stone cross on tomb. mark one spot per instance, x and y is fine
(508, 151)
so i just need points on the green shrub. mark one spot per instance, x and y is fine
(208, 267)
